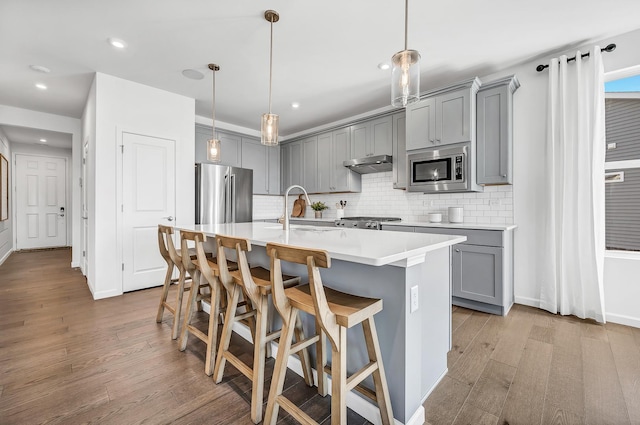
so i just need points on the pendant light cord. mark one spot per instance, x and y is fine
(213, 114)
(270, 63)
(406, 24)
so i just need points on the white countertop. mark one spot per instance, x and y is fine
(447, 225)
(354, 245)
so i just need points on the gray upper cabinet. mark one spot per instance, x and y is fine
(371, 138)
(342, 179)
(230, 146)
(399, 151)
(495, 131)
(325, 142)
(310, 164)
(322, 157)
(443, 117)
(265, 163)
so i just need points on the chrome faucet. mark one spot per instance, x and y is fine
(285, 223)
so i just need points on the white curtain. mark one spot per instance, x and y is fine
(573, 235)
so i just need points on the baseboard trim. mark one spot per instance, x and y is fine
(531, 302)
(622, 319)
(105, 294)
(3, 259)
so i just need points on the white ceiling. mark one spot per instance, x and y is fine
(325, 52)
(53, 139)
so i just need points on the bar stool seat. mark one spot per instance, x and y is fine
(255, 285)
(334, 312)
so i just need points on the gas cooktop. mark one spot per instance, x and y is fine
(365, 222)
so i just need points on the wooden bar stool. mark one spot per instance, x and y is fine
(207, 268)
(334, 312)
(173, 258)
(255, 284)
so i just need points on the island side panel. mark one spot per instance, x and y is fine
(413, 345)
(435, 318)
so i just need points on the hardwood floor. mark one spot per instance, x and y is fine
(533, 367)
(65, 358)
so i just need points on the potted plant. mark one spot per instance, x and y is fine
(318, 207)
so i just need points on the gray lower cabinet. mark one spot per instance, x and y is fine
(481, 267)
(495, 131)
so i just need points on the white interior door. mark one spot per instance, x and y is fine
(148, 189)
(41, 216)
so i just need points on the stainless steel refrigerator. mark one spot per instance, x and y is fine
(223, 194)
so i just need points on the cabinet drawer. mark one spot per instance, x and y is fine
(474, 236)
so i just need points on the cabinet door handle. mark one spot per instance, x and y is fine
(457, 250)
(504, 176)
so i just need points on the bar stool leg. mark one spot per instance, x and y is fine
(191, 304)
(213, 328)
(339, 379)
(259, 352)
(178, 308)
(227, 330)
(280, 368)
(379, 377)
(303, 354)
(165, 293)
(321, 360)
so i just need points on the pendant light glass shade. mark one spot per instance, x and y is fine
(213, 150)
(269, 129)
(405, 76)
(270, 122)
(213, 145)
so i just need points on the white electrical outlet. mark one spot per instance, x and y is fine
(414, 298)
(427, 203)
(495, 201)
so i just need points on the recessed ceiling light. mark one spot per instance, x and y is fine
(295, 105)
(41, 86)
(384, 66)
(43, 140)
(193, 74)
(40, 68)
(117, 43)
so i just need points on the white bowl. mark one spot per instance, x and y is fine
(435, 217)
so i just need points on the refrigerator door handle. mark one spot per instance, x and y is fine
(232, 208)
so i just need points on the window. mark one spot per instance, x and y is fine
(622, 164)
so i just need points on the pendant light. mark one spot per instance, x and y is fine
(269, 125)
(405, 76)
(213, 145)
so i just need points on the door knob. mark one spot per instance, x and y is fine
(61, 214)
(170, 218)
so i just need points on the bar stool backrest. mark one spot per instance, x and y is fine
(165, 242)
(198, 238)
(241, 246)
(314, 259)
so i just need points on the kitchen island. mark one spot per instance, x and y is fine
(388, 265)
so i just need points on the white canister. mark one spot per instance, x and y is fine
(339, 213)
(456, 215)
(435, 217)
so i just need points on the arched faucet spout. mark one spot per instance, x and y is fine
(285, 223)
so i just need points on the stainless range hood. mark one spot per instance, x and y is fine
(370, 164)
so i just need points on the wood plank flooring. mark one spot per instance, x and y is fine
(65, 358)
(533, 367)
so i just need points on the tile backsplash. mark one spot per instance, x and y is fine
(379, 198)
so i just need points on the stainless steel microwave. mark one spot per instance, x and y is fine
(446, 169)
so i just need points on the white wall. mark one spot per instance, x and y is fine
(6, 231)
(26, 118)
(124, 106)
(621, 282)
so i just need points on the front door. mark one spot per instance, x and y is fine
(148, 167)
(41, 207)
